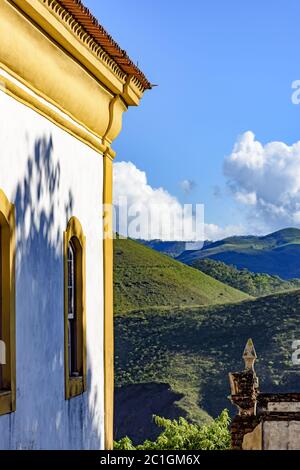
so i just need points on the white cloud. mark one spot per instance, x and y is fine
(246, 198)
(187, 186)
(215, 232)
(266, 178)
(134, 196)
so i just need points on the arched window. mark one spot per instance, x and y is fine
(7, 307)
(75, 343)
(72, 326)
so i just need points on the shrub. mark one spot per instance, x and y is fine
(181, 435)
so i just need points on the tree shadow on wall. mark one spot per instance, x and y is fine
(44, 420)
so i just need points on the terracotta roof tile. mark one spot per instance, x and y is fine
(99, 34)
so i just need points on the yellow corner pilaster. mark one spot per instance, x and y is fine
(108, 302)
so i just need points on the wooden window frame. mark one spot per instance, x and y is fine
(8, 327)
(75, 386)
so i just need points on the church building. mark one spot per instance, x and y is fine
(64, 86)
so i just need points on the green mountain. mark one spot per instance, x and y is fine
(147, 281)
(170, 248)
(176, 363)
(178, 332)
(144, 278)
(276, 254)
(255, 284)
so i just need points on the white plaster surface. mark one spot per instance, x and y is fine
(51, 176)
(281, 435)
(284, 406)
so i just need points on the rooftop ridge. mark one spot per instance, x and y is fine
(92, 26)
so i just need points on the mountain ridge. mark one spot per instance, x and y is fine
(145, 279)
(277, 253)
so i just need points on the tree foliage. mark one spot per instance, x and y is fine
(255, 284)
(181, 435)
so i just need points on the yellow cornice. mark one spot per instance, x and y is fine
(116, 109)
(133, 91)
(10, 85)
(66, 31)
(56, 69)
(61, 27)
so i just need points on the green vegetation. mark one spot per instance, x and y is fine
(276, 254)
(254, 284)
(181, 435)
(145, 279)
(171, 328)
(193, 350)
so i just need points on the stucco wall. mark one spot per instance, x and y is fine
(50, 176)
(281, 435)
(253, 440)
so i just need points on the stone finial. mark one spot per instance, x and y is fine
(244, 385)
(249, 355)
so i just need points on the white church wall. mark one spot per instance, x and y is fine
(50, 176)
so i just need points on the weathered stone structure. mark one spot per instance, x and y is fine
(265, 421)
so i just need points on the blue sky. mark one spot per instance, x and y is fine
(222, 68)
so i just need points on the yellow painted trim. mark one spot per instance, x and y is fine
(132, 91)
(21, 93)
(54, 82)
(34, 57)
(75, 386)
(108, 304)
(6, 403)
(51, 16)
(8, 245)
(116, 109)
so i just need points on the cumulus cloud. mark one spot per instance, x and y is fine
(215, 232)
(246, 198)
(153, 213)
(266, 179)
(146, 212)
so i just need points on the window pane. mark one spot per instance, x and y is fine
(71, 281)
(72, 324)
